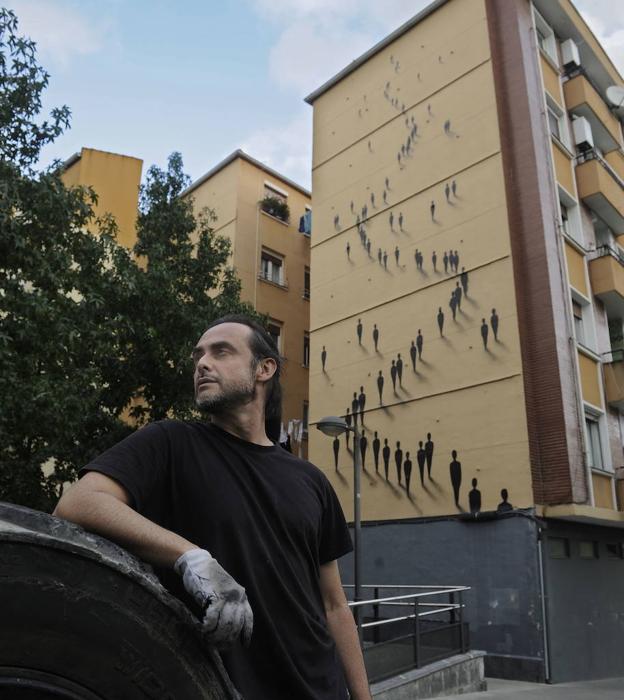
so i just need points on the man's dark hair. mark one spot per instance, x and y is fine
(261, 345)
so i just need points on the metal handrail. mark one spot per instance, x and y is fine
(443, 589)
(408, 596)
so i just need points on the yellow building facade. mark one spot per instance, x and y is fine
(271, 255)
(466, 309)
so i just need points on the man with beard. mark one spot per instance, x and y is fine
(234, 523)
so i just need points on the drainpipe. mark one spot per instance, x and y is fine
(540, 562)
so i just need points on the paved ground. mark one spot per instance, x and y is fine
(610, 689)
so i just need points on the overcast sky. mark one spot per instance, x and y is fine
(148, 77)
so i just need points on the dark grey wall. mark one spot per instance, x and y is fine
(496, 558)
(585, 606)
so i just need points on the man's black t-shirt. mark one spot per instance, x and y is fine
(270, 519)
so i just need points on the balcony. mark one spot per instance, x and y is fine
(606, 273)
(601, 189)
(614, 379)
(583, 100)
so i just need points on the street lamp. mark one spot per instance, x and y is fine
(333, 426)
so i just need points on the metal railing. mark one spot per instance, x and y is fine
(429, 630)
(592, 154)
(606, 249)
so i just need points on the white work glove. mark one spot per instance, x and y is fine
(227, 613)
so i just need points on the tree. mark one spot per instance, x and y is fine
(88, 329)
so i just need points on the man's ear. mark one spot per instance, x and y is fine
(265, 369)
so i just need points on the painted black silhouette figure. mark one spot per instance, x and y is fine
(368, 247)
(391, 220)
(380, 386)
(407, 470)
(419, 343)
(504, 505)
(385, 453)
(379, 256)
(453, 304)
(456, 476)
(375, 336)
(447, 192)
(434, 260)
(447, 126)
(364, 212)
(336, 451)
(337, 221)
(494, 322)
(352, 207)
(484, 333)
(384, 196)
(454, 188)
(413, 352)
(463, 278)
(421, 458)
(474, 498)
(432, 210)
(399, 159)
(348, 250)
(323, 357)
(398, 460)
(376, 447)
(393, 375)
(458, 294)
(372, 198)
(348, 421)
(419, 260)
(445, 260)
(363, 446)
(361, 404)
(387, 182)
(402, 149)
(359, 329)
(396, 254)
(429, 453)
(456, 260)
(399, 368)
(355, 407)
(400, 221)
(385, 260)
(441, 320)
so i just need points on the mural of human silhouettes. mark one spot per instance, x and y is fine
(385, 260)
(397, 252)
(447, 192)
(463, 278)
(504, 506)
(387, 183)
(429, 445)
(494, 323)
(393, 375)
(379, 256)
(355, 407)
(432, 208)
(456, 260)
(323, 358)
(434, 261)
(375, 336)
(419, 343)
(385, 454)
(445, 260)
(363, 447)
(458, 295)
(361, 404)
(398, 460)
(368, 247)
(447, 126)
(359, 328)
(413, 354)
(336, 445)
(337, 221)
(474, 498)
(454, 188)
(421, 458)
(407, 471)
(440, 318)
(384, 196)
(456, 476)
(401, 219)
(348, 421)
(348, 250)
(399, 369)
(453, 304)
(370, 147)
(372, 199)
(376, 448)
(351, 207)
(380, 386)
(391, 221)
(484, 333)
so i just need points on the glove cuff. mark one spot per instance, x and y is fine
(192, 558)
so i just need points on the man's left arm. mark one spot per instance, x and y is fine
(342, 628)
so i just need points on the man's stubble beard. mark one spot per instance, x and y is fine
(233, 396)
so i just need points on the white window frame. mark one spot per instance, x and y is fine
(598, 419)
(549, 45)
(306, 349)
(589, 340)
(574, 228)
(563, 135)
(272, 267)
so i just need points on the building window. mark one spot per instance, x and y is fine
(306, 283)
(275, 331)
(570, 217)
(594, 444)
(558, 547)
(579, 332)
(546, 39)
(272, 268)
(305, 419)
(306, 349)
(615, 550)
(588, 550)
(275, 203)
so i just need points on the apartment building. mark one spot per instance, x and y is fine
(267, 219)
(467, 306)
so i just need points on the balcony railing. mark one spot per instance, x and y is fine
(606, 273)
(601, 188)
(591, 154)
(613, 369)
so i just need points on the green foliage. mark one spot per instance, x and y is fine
(276, 207)
(87, 328)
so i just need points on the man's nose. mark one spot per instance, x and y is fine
(203, 363)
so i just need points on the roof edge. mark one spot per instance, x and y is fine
(239, 153)
(406, 26)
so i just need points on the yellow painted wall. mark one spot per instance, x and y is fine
(550, 76)
(576, 269)
(116, 180)
(469, 398)
(563, 168)
(603, 495)
(589, 380)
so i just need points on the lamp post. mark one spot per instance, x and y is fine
(333, 426)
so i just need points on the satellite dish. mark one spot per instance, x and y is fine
(615, 95)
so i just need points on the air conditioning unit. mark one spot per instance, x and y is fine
(570, 55)
(583, 136)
